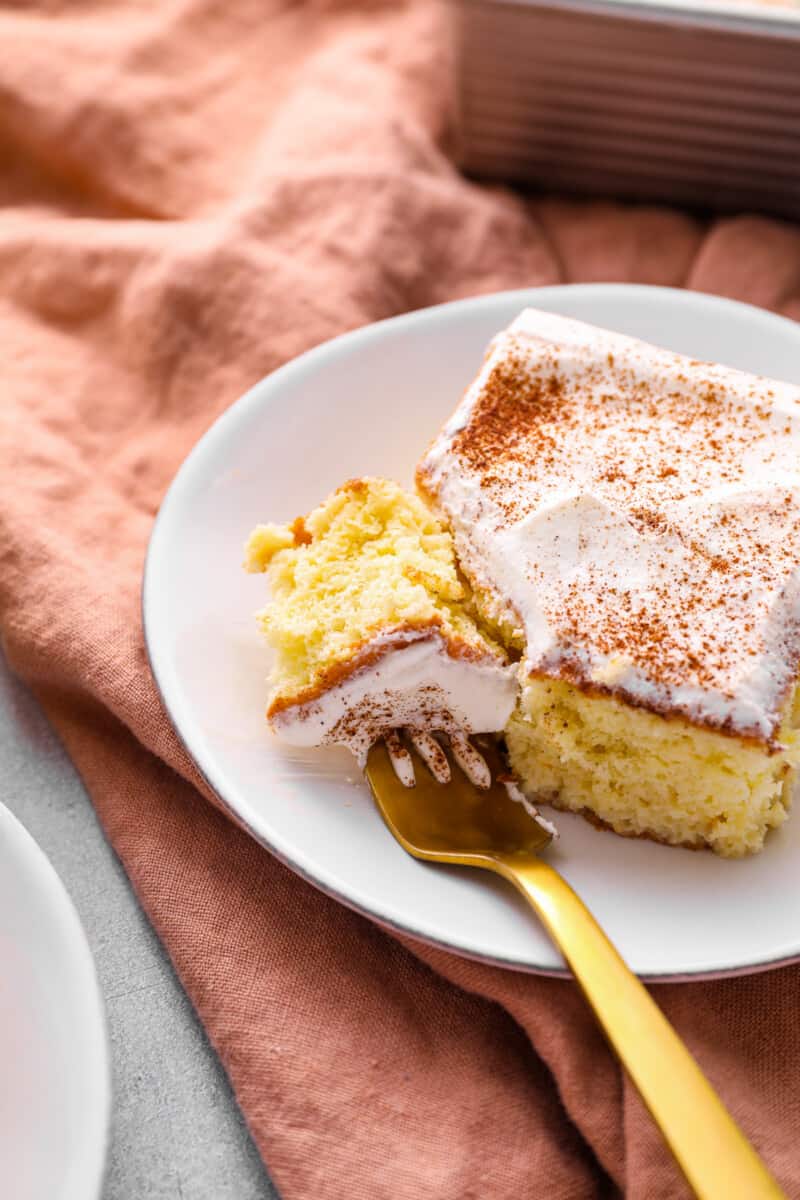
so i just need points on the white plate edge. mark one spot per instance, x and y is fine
(65, 916)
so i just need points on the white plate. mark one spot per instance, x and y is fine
(54, 1075)
(367, 403)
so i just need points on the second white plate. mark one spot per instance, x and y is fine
(54, 1073)
(368, 403)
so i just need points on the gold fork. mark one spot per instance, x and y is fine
(458, 823)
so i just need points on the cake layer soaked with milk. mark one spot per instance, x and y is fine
(415, 684)
(635, 515)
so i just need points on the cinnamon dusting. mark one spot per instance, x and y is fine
(695, 472)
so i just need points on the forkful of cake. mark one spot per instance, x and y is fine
(379, 650)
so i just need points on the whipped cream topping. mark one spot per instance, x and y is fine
(415, 684)
(635, 514)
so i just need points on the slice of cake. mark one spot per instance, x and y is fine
(371, 625)
(629, 520)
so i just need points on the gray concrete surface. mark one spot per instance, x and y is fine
(176, 1131)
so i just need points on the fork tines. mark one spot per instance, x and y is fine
(432, 752)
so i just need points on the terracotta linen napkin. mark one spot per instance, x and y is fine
(192, 192)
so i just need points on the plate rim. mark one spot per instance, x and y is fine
(61, 908)
(238, 409)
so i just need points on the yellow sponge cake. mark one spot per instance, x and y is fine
(630, 520)
(371, 624)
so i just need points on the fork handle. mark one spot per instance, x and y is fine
(714, 1154)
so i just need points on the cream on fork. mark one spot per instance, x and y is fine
(431, 750)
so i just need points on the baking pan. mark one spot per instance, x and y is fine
(693, 103)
